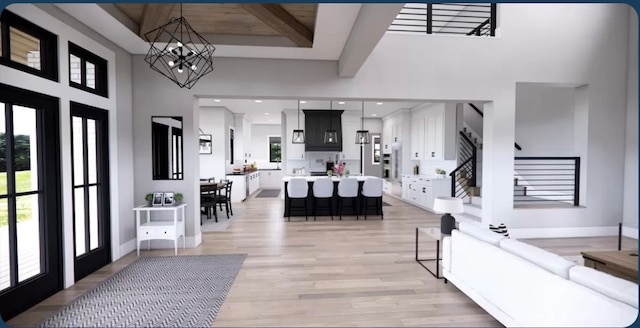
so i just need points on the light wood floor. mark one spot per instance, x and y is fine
(324, 273)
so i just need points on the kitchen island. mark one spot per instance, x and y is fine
(323, 210)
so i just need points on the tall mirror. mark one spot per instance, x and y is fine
(166, 145)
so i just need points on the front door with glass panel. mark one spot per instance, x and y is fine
(90, 161)
(30, 198)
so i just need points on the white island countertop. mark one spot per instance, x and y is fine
(334, 178)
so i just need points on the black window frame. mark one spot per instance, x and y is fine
(48, 46)
(271, 143)
(100, 66)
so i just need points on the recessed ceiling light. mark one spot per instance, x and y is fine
(374, 114)
(303, 101)
(340, 102)
(217, 100)
(379, 103)
(258, 101)
(266, 113)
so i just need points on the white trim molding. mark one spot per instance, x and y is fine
(564, 232)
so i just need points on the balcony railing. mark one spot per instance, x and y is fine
(478, 19)
(547, 180)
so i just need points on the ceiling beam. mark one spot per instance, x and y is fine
(370, 26)
(154, 15)
(282, 21)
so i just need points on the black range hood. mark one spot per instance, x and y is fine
(316, 122)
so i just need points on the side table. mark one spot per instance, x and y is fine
(160, 229)
(434, 233)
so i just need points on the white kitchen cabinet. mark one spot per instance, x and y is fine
(422, 190)
(440, 133)
(271, 179)
(405, 186)
(386, 136)
(350, 150)
(417, 137)
(253, 179)
(239, 187)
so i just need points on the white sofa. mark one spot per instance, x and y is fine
(523, 285)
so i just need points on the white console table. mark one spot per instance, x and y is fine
(160, 229)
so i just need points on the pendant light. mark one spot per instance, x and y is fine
(331, 135)
(362, 135)
(298, 134)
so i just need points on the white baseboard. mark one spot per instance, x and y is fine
(126, 248)
(193, 242)
(563, 232)
(630, 232)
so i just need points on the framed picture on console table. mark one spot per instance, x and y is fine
(167, 199)
(157, 199)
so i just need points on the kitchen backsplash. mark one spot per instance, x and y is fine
(316, 162)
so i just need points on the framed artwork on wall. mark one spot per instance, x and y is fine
(205, 144)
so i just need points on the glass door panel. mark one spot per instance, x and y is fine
(30, 215)
(90, 188)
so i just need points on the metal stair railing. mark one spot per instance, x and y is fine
(463, 177)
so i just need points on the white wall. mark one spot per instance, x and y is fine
(120, 130)
(630, 213)
(259, 147)
(212, 122)
(396, 69)
(545, 120)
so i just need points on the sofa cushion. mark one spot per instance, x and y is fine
(617, 288)
(481, 233)
(551, 262)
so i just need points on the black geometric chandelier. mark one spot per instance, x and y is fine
(179, 52)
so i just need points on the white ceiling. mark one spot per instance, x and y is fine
(267, 111)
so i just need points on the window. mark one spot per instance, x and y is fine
(275, 150)
(87, 71)
(28, 47)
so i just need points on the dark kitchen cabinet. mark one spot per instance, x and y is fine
(316, 123)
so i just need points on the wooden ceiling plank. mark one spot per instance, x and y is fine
(154, 15)
(282, 21)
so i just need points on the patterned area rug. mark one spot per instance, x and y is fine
(168, 291)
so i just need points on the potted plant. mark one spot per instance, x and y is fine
(178, 197)
(346, 173)
(329, 173)
(441, 173)
(148, 197)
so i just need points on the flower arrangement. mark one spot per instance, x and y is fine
(338, 169)
(441, 171)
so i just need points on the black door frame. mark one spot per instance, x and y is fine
(25, 294)
(93, 260)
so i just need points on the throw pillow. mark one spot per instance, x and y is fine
(501, 229)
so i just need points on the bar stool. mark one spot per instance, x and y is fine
(348, 188)
(322, 189)
(372, 188)
(297, 188)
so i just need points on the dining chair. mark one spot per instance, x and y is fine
(225, 198)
